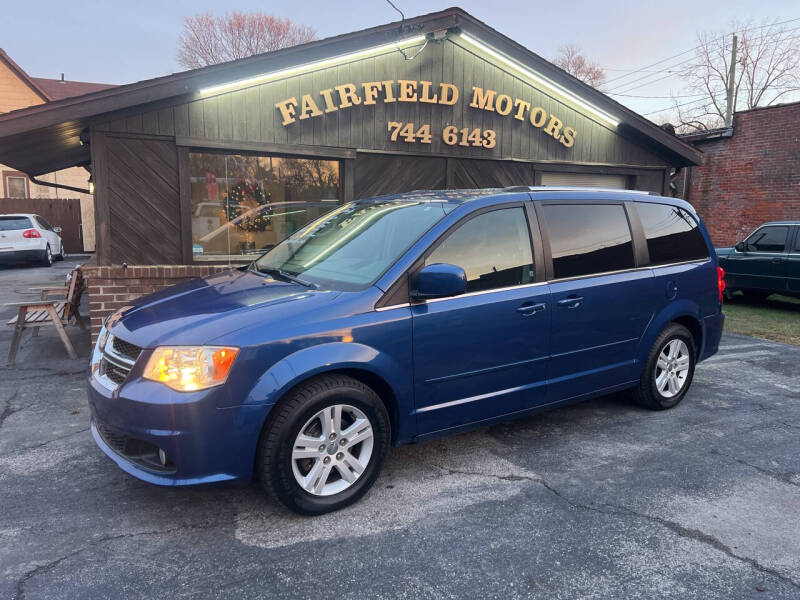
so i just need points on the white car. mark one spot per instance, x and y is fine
(29, 238)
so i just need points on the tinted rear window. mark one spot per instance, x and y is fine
(12, 223)
(672, 234)
(588, 238)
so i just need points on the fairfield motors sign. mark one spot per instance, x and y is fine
(349, 95)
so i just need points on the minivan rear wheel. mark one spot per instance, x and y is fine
(669, 369)
(324, 444)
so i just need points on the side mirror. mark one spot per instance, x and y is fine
(440, 280)
(741, 247)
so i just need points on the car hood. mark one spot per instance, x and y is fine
(723, 252)
(200, 310)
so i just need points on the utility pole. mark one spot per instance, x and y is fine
(731, 85)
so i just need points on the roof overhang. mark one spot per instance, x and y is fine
(45, 138)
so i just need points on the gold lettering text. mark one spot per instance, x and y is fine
(387, 88)
(371, 89)
(330, 105)
(425, 93)
(504, 104)
(308, 108)
(482, 100)
(538, 116)
(568, 139)
(408, 90)
(347, 95)
(287, 108)
(521, 107)
(553, 127)
(449, 94)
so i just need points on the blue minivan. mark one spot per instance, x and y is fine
(398, 319)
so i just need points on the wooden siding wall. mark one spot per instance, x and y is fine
(377, 174)
(249, 115)
(138, 202)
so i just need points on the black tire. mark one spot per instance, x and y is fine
(47, 257)
(647, 393)
(60, 255)
(274, 460)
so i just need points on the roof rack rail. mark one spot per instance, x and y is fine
(572, 188)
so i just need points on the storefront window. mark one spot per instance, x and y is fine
(243, 205)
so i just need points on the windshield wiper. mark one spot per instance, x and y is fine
(281, 274)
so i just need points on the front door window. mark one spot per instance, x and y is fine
(767, 239)
(494, 249)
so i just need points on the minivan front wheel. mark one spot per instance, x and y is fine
(669, 369)
(324, 445)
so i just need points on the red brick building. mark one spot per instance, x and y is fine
(750, 172)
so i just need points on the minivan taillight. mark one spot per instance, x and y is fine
(720, 282)
(31, 233)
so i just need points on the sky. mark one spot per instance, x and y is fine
(121, 42)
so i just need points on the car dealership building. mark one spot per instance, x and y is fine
(198, 170)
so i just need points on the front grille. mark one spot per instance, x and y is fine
(137, 451)
(116, 360)
(126, 349)
(116, 440)
(114, 372)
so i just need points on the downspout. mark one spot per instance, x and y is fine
(58, 185)
(686, 183)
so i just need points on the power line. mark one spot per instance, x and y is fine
(705, 94)
(628, 86)
(674, 56)
(629, 89)
(708, 99)
(701, 100)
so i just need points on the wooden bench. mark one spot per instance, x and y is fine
(58, 312)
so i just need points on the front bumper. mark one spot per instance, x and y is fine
(202, 443)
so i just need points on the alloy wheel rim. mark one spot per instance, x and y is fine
(672, 368)
(332, 450)
(49, 255)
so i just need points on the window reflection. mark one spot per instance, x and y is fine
(588, 238)
(672, 235)
(243, 205)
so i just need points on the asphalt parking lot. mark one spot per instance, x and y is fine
(599, 500)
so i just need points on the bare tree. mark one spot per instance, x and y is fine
(571, 59)
(767, 71)
(208, 40)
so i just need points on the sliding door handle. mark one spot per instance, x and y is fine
(571, 301)
(526, 310)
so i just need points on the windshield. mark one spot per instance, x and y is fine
(349, 248)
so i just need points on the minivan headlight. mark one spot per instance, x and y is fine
(190, 368)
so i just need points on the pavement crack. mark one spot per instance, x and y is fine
(37, 446)
(677, 528)
(49, 566)
(9, 410)
(21, 374)
(782, 477)
(617, 511)
(705, 538)
(450, 471)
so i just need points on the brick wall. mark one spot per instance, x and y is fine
(750, 177)
(110, 287)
